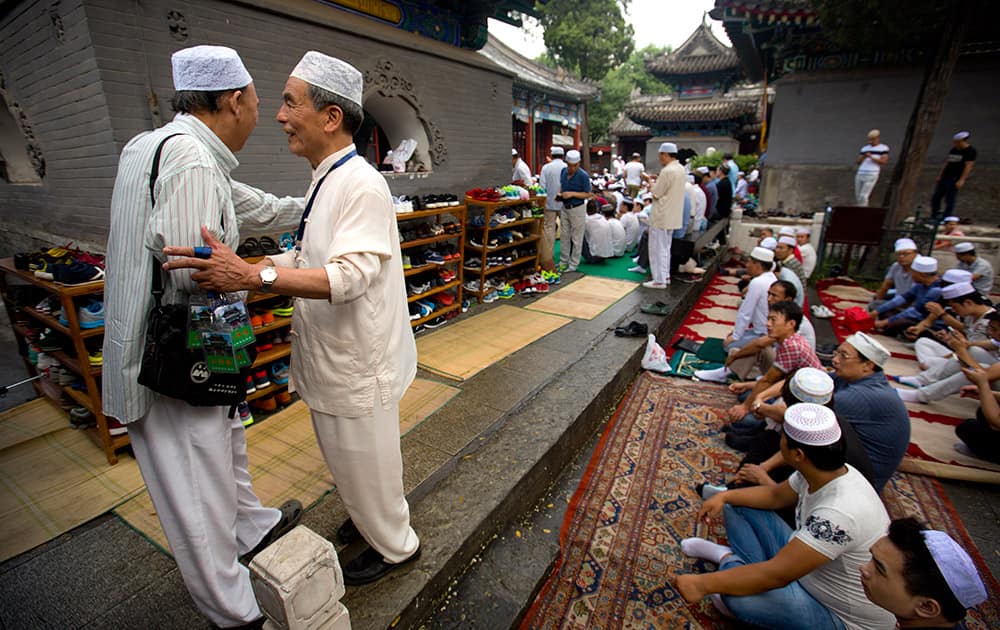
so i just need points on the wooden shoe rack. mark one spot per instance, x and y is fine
(255, 301)
(530, 226)
(458, 212)
(77, 359)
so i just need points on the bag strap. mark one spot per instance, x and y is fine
(157, 286)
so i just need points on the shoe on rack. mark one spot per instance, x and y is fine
(279, 373)
(251, 387)
(246, 417)
(50, 341)
(283, 397)
(490, 297)
(437, 322)
(80, 418)
(266, 404)
(115, 427)
(434, 257)
(260, 379)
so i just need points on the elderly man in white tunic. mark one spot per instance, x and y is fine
(353, 354)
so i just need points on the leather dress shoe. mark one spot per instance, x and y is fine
(370, 567)
(291, 513)
(348, 533)
(739, 442)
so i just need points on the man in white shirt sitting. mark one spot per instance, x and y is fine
(618, 237)
(751, 319)
(597, 235)
(802, 236)
(630, 221)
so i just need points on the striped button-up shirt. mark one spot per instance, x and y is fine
(193, 188)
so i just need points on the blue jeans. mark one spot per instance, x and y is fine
(945, 189)
(757, 536)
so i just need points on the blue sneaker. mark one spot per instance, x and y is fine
(279, 372)
(433, 257)
(490, 297)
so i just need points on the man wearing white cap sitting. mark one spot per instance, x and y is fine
(949, 227)
(790, 231)
(353, 354)
(193, 459)
(926, 288)
(922, 576)
(549, 178)
(775, 577)
(953, 175)
(981, 270)
(898, 279)
(666, 215)
(521, 174)
(751, 319)
(784, 253)
(808, 252)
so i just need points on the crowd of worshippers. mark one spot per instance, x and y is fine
(807, 528)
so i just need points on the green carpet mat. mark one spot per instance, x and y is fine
(611, 268)
(685, 363)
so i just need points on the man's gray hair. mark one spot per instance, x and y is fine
(353, 114)
(195, 101)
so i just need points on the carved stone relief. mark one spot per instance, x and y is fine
(57, 22)
(177, 24)
(31, 148)
(388, 82)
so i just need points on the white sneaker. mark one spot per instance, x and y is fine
(719, 375)
(637, 269)
(691, 267)
(649, 284)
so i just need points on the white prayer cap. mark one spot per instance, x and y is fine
(703, 170)
(762, 254)
(769, 243)
(787, 230)
(572, 156)
(811, 424)
(961, 135)
(208, 69)
(330, 74)
(691, 177)
(962, 248)
(950, 219)
(668, 147)
(957, 290)
(557, 151)
(635, 155)
(924, 264)
(513, 152)
(788, 240)
(869, 348)
(811, 385)
(804, 230)
(905, 244)
(952, 276)
(956, 567)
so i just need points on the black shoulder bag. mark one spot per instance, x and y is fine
(168, 366)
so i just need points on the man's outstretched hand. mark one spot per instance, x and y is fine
(222, 271)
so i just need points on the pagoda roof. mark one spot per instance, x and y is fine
(701, 53)
(538, 77)
(622, 125)
(650, 110)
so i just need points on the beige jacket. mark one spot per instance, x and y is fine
(667, 212)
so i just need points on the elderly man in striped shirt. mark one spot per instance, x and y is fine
(193, 459)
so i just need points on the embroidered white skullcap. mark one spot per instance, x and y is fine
(330, 74)
(786, 231)
(957, 290)
(924, 264)
(904, 244)
(869, 348)
(956, 568)
(950, 219)
(668, 147)
(812, 386)
(513, 152)
(961, 135)
(815, 425)
(804, 230)
(762, 254)
(703, 170)
(572, 156)
(957, 275)
(208, 69)
(769, 243)
(962, 248)
(788, 240)
(557, 151)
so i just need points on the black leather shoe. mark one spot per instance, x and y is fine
(739, 442)
(291, 513)
(348, 533)
(370, 567)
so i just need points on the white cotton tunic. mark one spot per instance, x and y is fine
(353, 352)
(668, 198)
(194, 188)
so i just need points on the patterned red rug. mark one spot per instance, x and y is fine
(620, 541)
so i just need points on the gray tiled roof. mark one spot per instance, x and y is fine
(536, 76)
(653, 109)
(702, 53)
(622, 125)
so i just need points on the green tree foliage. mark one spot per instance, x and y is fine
(586, 37)
(746, 161)
(617, 86)
(870, 25)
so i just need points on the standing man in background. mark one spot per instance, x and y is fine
(574, 186)
(521, 175)
(872, 157)
(549, 178)
(634, 174)
(666, 215)
(956, 170)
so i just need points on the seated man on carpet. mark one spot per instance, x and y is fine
(786, 274)
(980, 436)
(792, 352)
(619, 239)
(751, 319)
(809, 577)
(944, 312)
(922, 576)
(630, 221)
(759, 353)
(864, 398)
(784, 253)
(809, 256)
(981, 270)
(597, 235)
(926, 288)
(898, 279)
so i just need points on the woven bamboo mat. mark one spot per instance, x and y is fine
(586, 298)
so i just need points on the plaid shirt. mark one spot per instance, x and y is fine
(794, 353)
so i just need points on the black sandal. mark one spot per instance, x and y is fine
(269, 247)
(249, 247)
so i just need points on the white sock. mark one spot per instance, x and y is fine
(911, 395)
(718, 375)
(708, 491)
(704, 549)
(912, 381)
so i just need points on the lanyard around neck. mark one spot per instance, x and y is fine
(312, 197)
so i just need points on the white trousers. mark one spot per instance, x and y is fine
(930, 353)
(659, 253)
(364, 456)
(194, 463)
(945, 378)
(864, 184)
(574, 223)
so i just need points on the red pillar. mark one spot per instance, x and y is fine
(529, 142)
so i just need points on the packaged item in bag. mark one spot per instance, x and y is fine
(655, 358)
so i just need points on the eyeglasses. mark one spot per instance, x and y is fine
(844, 356)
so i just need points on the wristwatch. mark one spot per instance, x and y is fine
(267, 277)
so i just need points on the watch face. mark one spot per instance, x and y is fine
(268, 275)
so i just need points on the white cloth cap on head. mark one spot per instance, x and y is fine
(572, 156)
(786, 231)
(956, 567)
(769, 243)
(788, 240)
(815, 425)
(331, 74)
(804, 230)
(961, 248)
(924, 264)
(956, 275)
(557, 151)
(703, 170)
(668, 147)
(904, 244)
(957, 290)
(812, 386)
(869, 348)
(950, 219)
(208, 69)
(961, 135)
(762, 254)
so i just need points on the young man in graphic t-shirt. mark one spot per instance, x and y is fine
(961, 159)
(872, 157)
